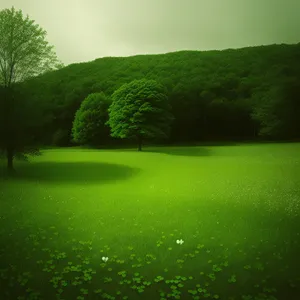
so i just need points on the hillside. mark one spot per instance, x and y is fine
(214, 94)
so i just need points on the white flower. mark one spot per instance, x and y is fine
(105, 259)
(179, 242)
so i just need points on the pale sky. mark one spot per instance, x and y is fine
(83, 30)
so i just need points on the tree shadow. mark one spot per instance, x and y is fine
(181, 151)
(73, 172)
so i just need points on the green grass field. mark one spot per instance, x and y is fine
(236, 209)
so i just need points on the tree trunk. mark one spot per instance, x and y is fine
(10, 158)
(139, 138)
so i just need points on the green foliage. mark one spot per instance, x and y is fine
(264, 112)
(140, 109)
(278, 110)
(20, 119)
(24, 53)
(60, 137)
(214, 94)
(89, 123)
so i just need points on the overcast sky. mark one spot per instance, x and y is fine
(83, 30)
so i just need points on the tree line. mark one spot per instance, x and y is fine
(243, 94)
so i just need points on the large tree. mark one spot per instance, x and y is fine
(24, 53)
(140, 110)
(89, 123)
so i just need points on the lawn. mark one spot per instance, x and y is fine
(212, 222)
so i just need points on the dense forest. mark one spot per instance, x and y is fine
(243, 94)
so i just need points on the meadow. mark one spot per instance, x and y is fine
(203, 222)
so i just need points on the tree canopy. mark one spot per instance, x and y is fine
(89, 123)
(24, 51)
(140, 110)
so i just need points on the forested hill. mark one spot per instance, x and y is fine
(214, 94)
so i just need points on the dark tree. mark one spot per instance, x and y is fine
(89, 123)
(24, 54)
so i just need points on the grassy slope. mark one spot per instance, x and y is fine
(235, 204)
